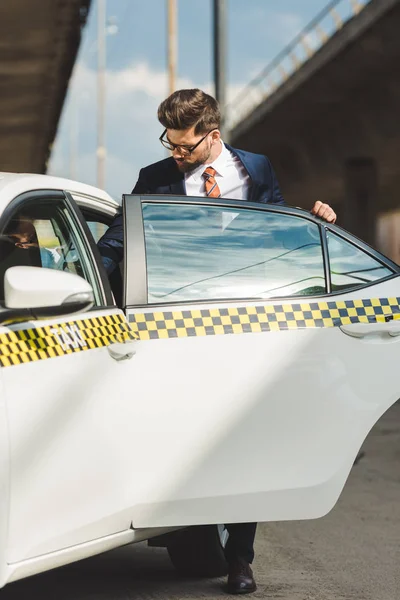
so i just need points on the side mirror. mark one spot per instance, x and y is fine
(38, 293)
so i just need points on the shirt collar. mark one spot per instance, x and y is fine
(220, 165)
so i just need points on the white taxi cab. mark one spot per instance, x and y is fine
(228, 372)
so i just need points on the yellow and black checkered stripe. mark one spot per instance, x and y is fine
(257, 319)
(39, 343)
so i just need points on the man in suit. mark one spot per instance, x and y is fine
(191, 120)
(202, 165)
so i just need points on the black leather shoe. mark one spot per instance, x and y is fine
(240, 578)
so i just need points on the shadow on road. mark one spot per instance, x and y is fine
(135, 571)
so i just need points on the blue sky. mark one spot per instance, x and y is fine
(137, 80)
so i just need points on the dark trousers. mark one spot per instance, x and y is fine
(240, 544)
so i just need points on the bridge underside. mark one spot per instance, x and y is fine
(39, 40)
(332, 131)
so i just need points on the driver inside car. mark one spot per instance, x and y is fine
(24, 235)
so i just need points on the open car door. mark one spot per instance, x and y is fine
(268, 348)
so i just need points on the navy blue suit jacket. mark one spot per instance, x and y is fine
(164, 177)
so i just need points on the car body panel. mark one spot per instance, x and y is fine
(61, 431)
(26, 568)
(292, 412)
(4, 478)
(14, 184)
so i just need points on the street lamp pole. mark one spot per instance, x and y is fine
(73, 134)
(220, 58)
(172, 45)
(101, 88)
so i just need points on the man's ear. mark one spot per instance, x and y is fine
(215, 136)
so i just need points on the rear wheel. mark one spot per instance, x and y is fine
(199, 551)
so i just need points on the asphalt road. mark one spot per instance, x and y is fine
(352, 554)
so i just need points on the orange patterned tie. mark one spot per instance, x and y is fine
(212, 189)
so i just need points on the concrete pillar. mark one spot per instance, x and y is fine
(361, 198)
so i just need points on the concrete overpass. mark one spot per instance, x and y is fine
(39, 40)
(332, 128)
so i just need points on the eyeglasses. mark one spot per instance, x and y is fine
(183, 149)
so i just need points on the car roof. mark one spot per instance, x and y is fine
(88, 196)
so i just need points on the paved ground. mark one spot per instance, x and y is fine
(352, 554)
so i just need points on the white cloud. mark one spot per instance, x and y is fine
(139, 78)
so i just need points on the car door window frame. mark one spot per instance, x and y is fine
(136, 285)
(105, 217)
(85, 240)
(91, 250)
(363, 247)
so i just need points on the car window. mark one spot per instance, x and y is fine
(350, 266)
(195, 252)
(97, 229)
(43, 233)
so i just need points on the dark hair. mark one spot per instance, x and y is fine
(187, 108)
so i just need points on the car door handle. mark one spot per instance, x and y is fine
(362, 330)
(122, 351)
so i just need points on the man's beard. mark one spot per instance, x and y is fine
(186, 167)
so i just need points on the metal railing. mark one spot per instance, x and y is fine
(330, 20)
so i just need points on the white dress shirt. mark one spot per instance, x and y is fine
(231, 176)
